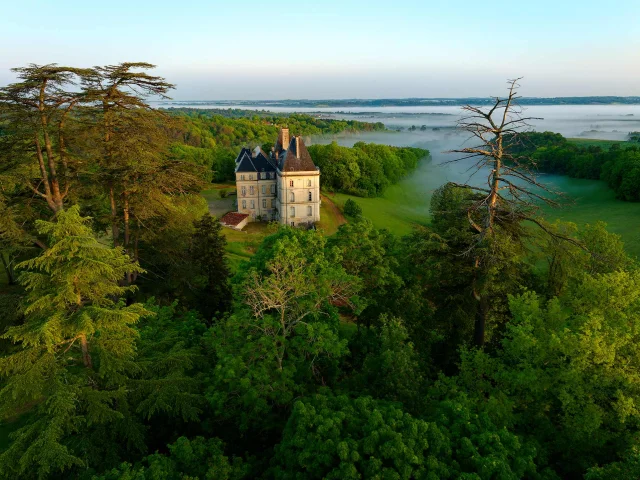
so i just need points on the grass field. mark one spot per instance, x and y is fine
(406, 204)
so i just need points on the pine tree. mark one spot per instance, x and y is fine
(208, 253)
(75, 348)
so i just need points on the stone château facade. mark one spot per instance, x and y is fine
(283, 185)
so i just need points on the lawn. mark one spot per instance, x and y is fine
(407, 204)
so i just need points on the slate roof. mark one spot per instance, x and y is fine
(296, 158)
(244, 162)
(260, 163)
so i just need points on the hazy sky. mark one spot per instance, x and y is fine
(236, 49)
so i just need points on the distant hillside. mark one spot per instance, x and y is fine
(407, 102)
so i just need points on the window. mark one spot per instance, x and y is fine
(273, 203)
(291, 183)
(292, 212)
(264, 204)
(309, 196)
(241, 177)
(309, 211)
(253, 204)
(244, 190)
(293, 224)
(272, 175)
(273, 189)
(251, 190)
(244, 204)
(263, 175)
(308, 183)
(293, 197)
(264, 189)
(251, 176)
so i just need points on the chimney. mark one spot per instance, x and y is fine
(283, 138)
(298, 147)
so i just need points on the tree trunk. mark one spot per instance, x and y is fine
(480, 322)
(53, 177)
(86, 358)
(8, 268)
(45, 177)
(125, 210)
(115, 231)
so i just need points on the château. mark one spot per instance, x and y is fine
(282, 185)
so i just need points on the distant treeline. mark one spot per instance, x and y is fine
(215, 138)
(619, 166)
(417, 102)
(366, 169)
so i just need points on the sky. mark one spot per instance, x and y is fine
(252, 50)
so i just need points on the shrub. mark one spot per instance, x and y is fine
(352, 209)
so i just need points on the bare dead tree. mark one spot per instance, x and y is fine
(513, 193)
(512, 196)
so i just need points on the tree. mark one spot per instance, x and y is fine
(335, 437)
(76, 345)
(498, 210)
(449, 280)
(130, 143)
(369, 254)
(567, 369)
(392, 371)
(352, 209)
(199, 458)
(282, 340)
(36, 111)
(207, 253)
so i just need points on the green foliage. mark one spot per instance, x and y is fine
(194, 459)
(598, 251)
(552, 153)
(207, 254)
(352, 209)
(628, 469)
(340, 438)
(214, 137)
(77, 347)
(369, 254)
(282, 340)
(392, 370)
(366, 169)
(169, 359)
(460, 287)
(568, 368)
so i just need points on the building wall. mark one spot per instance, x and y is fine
(304, 183)
(256, 197)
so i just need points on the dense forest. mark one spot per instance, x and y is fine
(366, 169)
(618, 166)
(130, 350)
(216, 136)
